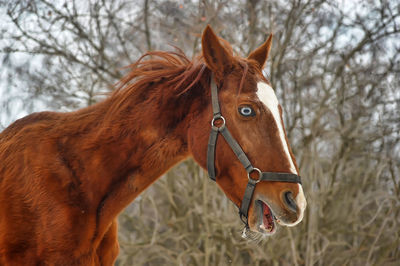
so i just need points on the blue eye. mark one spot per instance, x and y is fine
(246, 111)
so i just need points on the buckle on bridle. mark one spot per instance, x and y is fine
(259, 175)
(216, 118)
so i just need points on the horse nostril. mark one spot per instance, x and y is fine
(289, 201)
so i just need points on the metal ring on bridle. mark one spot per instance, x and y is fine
(259, 175)
(216, 118)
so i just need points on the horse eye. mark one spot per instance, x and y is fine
(246, 111)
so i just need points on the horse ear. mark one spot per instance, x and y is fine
(260, 55)
(216, 57)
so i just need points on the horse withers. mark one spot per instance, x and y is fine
(65, 177)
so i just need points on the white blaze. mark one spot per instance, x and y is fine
(267, 96)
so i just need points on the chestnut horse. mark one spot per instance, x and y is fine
(65, 177)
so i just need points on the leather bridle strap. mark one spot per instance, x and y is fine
(262, 176)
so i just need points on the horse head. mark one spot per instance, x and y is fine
(250, 109)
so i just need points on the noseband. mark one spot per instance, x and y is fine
(262, 176)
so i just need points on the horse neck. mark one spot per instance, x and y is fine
(136, 141)
(123, 147)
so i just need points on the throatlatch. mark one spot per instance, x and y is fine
(262, 176)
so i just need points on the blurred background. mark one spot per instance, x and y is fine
(335, 66)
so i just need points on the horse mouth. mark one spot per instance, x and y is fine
(267, 223)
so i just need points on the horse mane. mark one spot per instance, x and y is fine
(174, 65)
(156, 77)
(172, 70)
(161, 77)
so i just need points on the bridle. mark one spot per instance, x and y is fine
(262, 176)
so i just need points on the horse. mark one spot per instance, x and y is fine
(65, 177)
